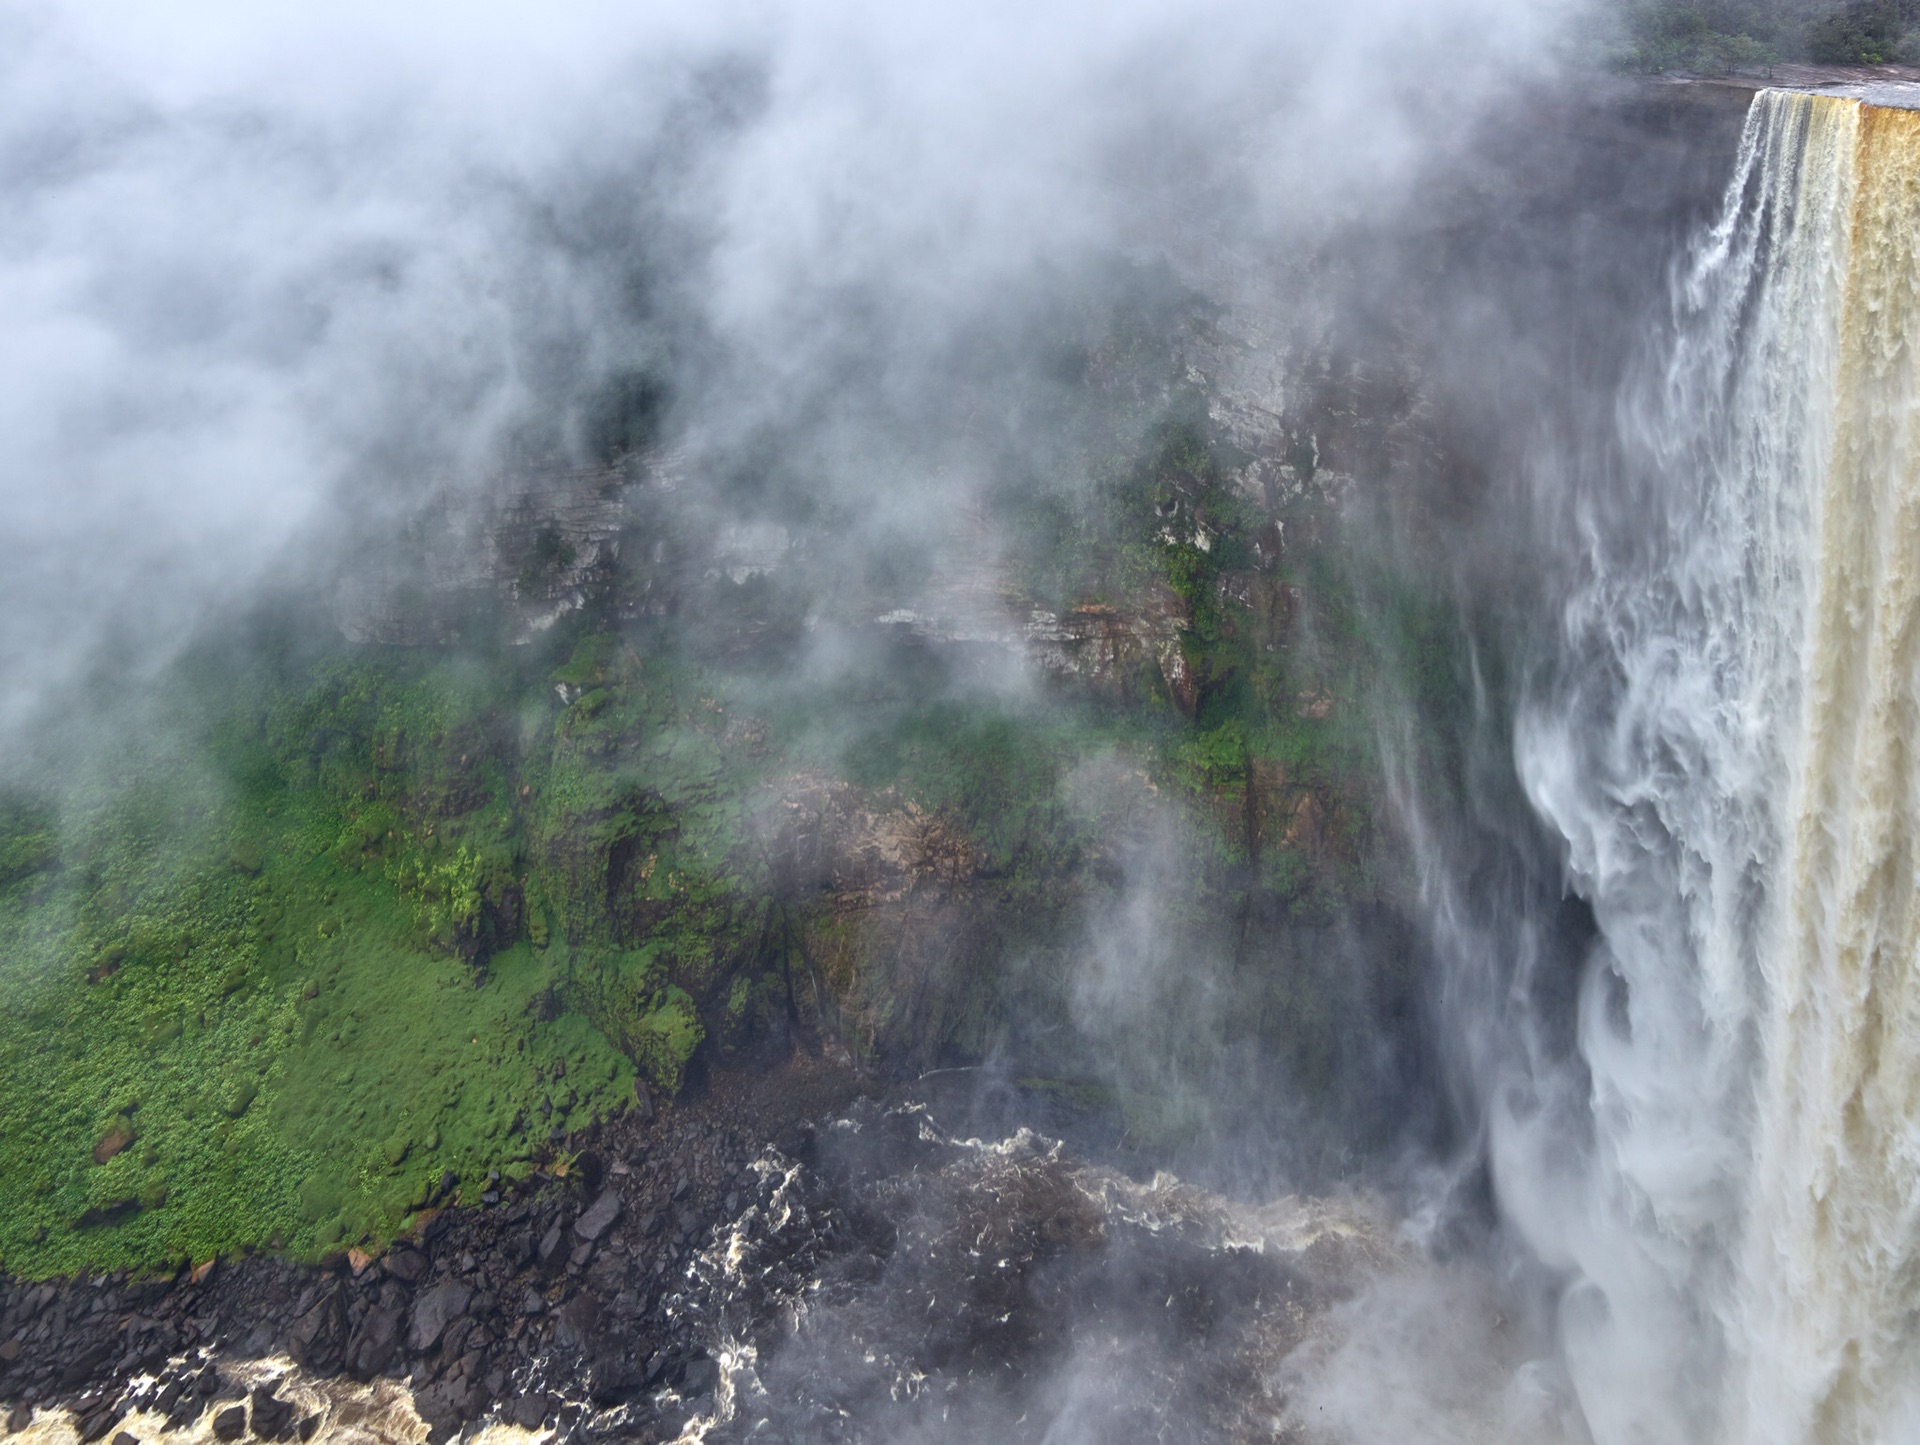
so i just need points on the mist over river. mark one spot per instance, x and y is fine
(818, 723)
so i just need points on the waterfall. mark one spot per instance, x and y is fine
(1730, 1177)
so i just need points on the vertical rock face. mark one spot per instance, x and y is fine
(1114, 653)
(1320, 414)
(606, 827)
(1292, 417)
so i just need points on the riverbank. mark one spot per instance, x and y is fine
(536, 1304)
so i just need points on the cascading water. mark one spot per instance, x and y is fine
(1728, 749)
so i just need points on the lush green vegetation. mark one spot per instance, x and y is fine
(262, 988)
(1713, 37)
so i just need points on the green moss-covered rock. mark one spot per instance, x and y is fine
(652, 1020)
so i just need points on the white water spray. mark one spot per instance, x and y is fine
(1730, 758)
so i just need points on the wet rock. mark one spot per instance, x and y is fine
(95, 1424)
(599, 1218)
(309, 1427)
(444, 1405)
(85, 1364)
(318, 1338)
(231, 1423)
(375, 1342)
(435, 1310)
(408, 1265)
(579, 1320)
(530, 1411)
(19, 1417)
(616, 1370)
(187, 1408)
(272, 1417)
(125, 1438)
(701, 1377)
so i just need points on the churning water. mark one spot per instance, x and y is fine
(907, 1284)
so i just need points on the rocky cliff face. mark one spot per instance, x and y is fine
(637, 811)
(1075, 756)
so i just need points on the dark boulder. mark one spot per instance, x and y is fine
(701, 1377)
(530, 1411)
(409, 1265)
(579, 1323)
(374, 1344)
(85, 1363)
(445, 1405)
(272, 1417)
(599, 1218)
(616, 1369)
(318, 1339)
(434, 1311)
(95, 1423)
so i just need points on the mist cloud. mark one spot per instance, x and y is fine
(266, 273)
